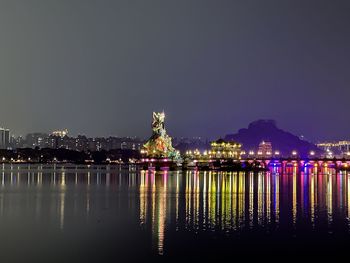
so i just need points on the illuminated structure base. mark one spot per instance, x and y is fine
(160, 164)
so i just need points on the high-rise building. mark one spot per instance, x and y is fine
(80, 143)
(4, 138)
(36, 139)
(265, 149)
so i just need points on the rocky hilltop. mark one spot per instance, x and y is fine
(267, 130)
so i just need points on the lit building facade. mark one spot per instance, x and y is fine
(33, 140)
(343, 146)
(79, 143)
(339, 148)
(225, 149)
(265, 149)
(220, 149)
(60, 133)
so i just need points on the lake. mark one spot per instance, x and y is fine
(73, 213)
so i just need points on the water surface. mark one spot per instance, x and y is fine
(116, 214)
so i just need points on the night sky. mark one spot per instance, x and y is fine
(101, 67)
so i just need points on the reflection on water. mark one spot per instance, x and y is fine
(230, 201)
(68, 197)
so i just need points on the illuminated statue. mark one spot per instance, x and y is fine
(159, 145)
(158, 123)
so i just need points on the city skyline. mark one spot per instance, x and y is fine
(82, 133)
(102, 68)
(262, 138)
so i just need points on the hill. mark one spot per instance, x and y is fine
(267, 130)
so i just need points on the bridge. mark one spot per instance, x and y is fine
(337, 163)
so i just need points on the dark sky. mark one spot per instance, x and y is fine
(101, 67)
